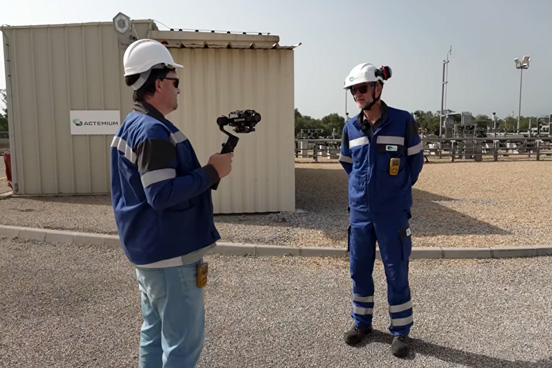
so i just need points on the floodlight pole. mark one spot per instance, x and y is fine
(523, 64)
(443, 92)
(442, 102)
(519, 109)
(346, 111)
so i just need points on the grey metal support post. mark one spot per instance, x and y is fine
(314, 152)
(494, 123)
(538, 149)
(304, 148)
(442, 103)
(478, 151)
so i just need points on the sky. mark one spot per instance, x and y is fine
(412, 37)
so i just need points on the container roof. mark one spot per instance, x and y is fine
(191, 38)
(218, 40)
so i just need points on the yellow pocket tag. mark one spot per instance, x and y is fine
(394, 164)
(202, 271)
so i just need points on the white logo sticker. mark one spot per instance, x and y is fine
(390, 148)
(94, 122)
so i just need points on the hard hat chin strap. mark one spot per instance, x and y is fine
(145, 75)
(374, 100)
(140, 81)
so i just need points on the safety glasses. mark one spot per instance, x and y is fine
(362, 89)
(176, 81)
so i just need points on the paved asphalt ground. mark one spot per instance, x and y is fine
(70, 305)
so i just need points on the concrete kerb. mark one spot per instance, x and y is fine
(239, 249)
(6, 195)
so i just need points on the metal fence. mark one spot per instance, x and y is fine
(458, 148)
(478, 148)
(318, 148)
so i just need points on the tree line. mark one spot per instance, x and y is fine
(333, 124)
(428, 121)
(329, 124)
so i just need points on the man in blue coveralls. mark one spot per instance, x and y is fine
(381, 152)
(163, 209)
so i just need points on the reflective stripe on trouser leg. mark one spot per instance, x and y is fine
(363, 310)
(362, 254)
(395, 247)
(401, 318)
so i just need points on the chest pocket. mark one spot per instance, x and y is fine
(389, 147)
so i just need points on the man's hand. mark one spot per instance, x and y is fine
(222, 163)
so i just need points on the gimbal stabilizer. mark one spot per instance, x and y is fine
(243, 121)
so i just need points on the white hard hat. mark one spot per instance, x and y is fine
(367, 72)
(144, 54)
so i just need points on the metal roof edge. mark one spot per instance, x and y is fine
(211, 36)
(7, 26)
(190, 39)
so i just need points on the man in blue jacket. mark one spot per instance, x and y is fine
(162, 202)
(382, 154)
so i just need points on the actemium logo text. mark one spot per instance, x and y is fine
(101, 123)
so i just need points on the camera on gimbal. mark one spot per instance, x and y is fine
(243, 121)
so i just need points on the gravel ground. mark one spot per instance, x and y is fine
(460, 204)
(64, 305)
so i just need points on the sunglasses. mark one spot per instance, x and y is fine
(176, 81)
(362, 89)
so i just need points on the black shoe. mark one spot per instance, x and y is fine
(356, 334)
(399, 347)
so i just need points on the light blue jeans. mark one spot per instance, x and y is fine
(172, 307)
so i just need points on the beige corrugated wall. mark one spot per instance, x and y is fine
(217, 81)
(54, 69)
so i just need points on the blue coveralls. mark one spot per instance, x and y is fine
(379, 206)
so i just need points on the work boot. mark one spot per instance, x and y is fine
(399, 347)
(356, 334)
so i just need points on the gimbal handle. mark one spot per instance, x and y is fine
(227, 147)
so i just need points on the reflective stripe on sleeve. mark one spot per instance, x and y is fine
(401, 321)
(401, 307)
(389, 139)
(358, 142)
(414, 149)
(156, 176)
(124, 148)
(178, 137)
(362, 311)
(346, 159)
